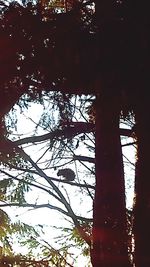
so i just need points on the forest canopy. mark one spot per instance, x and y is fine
(89, 57)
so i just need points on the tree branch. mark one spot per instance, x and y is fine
(32, 184)
(46, 205)
(67, 131)
(83, 158)
(49, 177)
(126, 132)
(12, 146)
(129, 144)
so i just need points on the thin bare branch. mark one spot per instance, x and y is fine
(11, 146)
(46, 205)
(129, 144)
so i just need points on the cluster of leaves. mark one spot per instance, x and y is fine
(36, 61)
(58, 58)
(24, 233)
(21, 175)
(9, 230)
(4, 224)
(30, 237)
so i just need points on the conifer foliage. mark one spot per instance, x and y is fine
(87, 47)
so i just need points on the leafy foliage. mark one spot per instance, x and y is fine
(54, 149)
(60, 58)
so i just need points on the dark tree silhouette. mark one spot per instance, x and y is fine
(103, 53)
(139, 17)
(142, 188)
(109, 204)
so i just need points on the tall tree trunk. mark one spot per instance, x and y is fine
(109, 226)
(142, 189)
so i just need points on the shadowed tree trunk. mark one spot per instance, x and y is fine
(109, 227)
(142, 189)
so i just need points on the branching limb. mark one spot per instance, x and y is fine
(46, 205)
(68, 131)
(30, 183)
(40, 186)
(12, 146)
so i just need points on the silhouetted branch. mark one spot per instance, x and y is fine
(12, 146)
(46, 205)
(129, 144)
(49, 177)
(67, 131)
(84, 158)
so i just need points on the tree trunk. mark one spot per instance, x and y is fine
(109, 226)
(142, 190)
